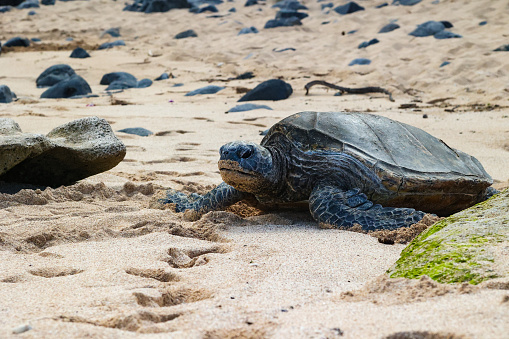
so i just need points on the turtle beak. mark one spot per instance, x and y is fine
(236, 151)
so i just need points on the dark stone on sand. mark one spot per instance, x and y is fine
(178, 85)
(54, 74)
(69, 38)
(285, 14)
(248, 30)
(244, 76)
(114, 32)
(232, 10)
(163, 76)
(79, 53)
(144, 83)
(251, 3)
(208, 8)
(12, 3)
(446, 35)
(108, 45)
(35, 40)
(17, 42)
(503, 48)
(406, 2)
(359, 61)
(283, 49)
(32, 13)
(186, 34)
(292, 5)
(48, 2)
(274, 89)
(385, 4)
(352, 32)
(6, 95)
(142, 132)
(445, 63)
(109, 78)
(4, 9)
(482, 23)
(389, 28)
(348, 8)
(447, 24)
(68, 153)
(273, 23)
(211, 89)
(28, 4)
(247, 107)
(151, 6)
(68, 88)
(428, 28)
(368, 43)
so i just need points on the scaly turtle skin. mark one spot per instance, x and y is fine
(353, 168)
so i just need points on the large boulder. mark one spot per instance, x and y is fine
(469, 246)
(73, 87)
(54, 74)
(68, 153)
(274, 89)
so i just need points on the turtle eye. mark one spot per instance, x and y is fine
(245, 152)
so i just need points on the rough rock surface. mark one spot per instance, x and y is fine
(68, 153)
(469, 246)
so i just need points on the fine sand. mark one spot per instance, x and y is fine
(99, 259)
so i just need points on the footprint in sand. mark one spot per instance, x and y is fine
(53, 272)
(171, 296)
(157, 274)
(190, 258)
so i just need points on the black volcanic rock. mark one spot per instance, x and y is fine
(348, 8)
(6, 95)
(292, 21)
(74, 86)
(17, 42)
(389, 28)
(79, 53)
(186, 34)
(54, 74)
(274, 89)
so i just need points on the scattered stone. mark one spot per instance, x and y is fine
(251, 3)
(114, 32)
(152, 6)
(32, 13)
(445, 63)
(247, 107)
(503, 48)
(17, 42)
(142, 132)
(119, 81)
(446, 35)
(6, 95)
(428, 28)
(348, 8)
(208, 8)
(54, 74)
(108, 45)
(248, 30)
(244, 76)
(274, 89)
(406, 2)
(163, 76)
(389, 28)
(211, 89)
(283, 49)
(482, 23)
(232, 10)
(368, 43)
(21, 329)
(4, 9)
(324, 6)
(466, 247)
(68, 88)
(69, 38)
(79, 53)
(292, 5)
(48, 2)
(35, 40)
(28, 4)
(178, 85)
(284, 14)
(144, 83)
(186, 34)
(273, 23)
(359, 61)
(385, 4)
(68, 153)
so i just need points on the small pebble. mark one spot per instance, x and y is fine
(211, 89)
(21, 329)
(142, 132)
(425, 116)
(359, 61)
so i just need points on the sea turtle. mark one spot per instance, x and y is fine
(353, 168)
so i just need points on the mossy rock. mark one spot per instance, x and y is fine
(469, 246)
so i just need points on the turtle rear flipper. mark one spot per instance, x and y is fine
(216, 199)
(331, 206)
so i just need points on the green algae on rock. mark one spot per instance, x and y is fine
(469, 246)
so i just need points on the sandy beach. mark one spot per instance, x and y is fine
(100, 259)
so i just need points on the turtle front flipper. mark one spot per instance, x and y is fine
(196, 205)
(331, 206)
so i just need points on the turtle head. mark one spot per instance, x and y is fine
(248, 167)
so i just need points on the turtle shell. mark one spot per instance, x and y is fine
(414, 166)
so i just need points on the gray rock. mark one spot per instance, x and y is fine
(142, 132)
(68, 153)
(468, 246)
(54, 74)
(247, 107)
(273, 89)
(389, 28)
(186, 34)
(6, 95)
(74, 86)
(108, 45)
(428, 28)
(211, 89)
